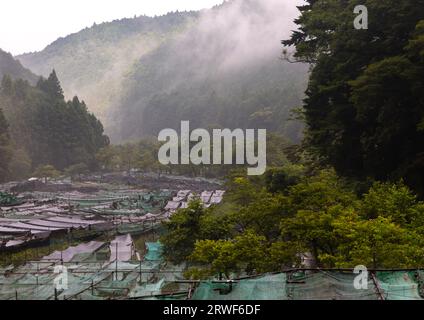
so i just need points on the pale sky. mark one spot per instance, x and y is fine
(30, 25)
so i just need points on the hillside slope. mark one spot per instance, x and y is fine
(13, 68)
(93, 62)
(218, 68)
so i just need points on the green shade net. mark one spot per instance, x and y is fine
(147, 289)
(400, 285)
(154, 251)
(269, 287)
(327, 286)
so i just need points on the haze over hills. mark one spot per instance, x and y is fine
(13, 68)
(217, 68)
(93, 62)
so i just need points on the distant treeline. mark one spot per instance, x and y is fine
(143, 156)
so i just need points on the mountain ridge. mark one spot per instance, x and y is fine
(12, 67)
(121, 68)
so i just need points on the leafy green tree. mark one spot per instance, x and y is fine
(320, 192)
(280, 179)
(77, 170)
(107, 157)
(378, 243)
(313, 231)
(393, 201)
(247, 251)
(182, 231)
(46, 172)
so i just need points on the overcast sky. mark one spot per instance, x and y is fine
(30, 25)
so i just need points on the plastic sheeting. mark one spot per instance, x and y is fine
(172, 205)
(21, 225)
(8, 230)
(206, 196)
(68, 254)
(122, 248)
(154, 251)
(54, 224)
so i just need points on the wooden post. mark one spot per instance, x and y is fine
(116, 262)
(140, 273)
(377, 286)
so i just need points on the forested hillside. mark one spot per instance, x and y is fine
(93, 62)
(217, 68)
(41, 128)
(365, 109)
(13, 68)
(353, 192)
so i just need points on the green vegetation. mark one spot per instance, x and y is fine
(364, 100)
(320, 214)
(13, 68)
(350, 195)
(143, 156)
(95, 61)
(44, 129)
(33, 254)
(5, 147)
(46, 172)
(145, 74)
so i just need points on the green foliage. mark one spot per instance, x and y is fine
(364, 99)
(20, 166)
(256, 230)
(13, 69)
(394, 201)
(46, 171)
(48, 129)
(5, 147)
(320, 192)
(378, 243)
(182, 231)
(247, 251)
(280, 179)
(77, 170)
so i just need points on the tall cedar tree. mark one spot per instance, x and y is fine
(365, 104)
(49, 129)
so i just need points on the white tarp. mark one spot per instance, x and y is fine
(69, 253)
(54, 224)
(121, 248)
(206, 196)
(21, 225)
(172, 205)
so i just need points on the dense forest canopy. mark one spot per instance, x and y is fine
(45, 129)
(364, 107)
